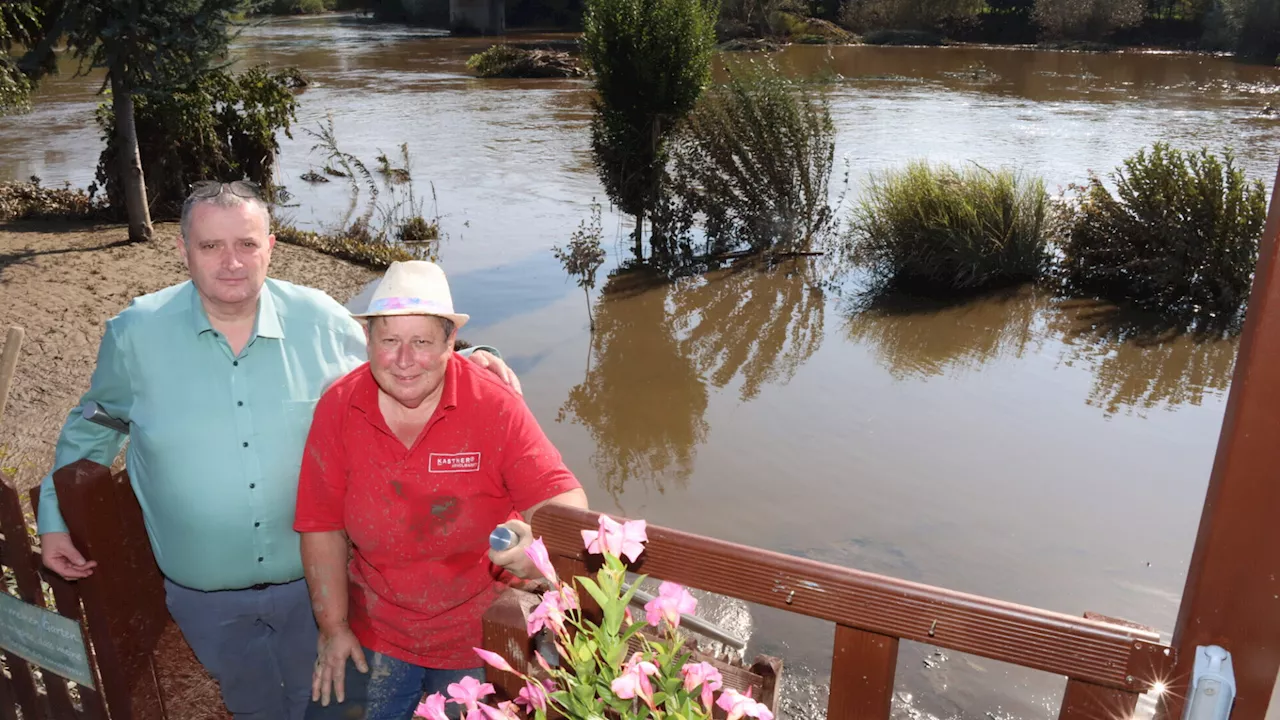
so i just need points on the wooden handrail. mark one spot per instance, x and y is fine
(1230, 594)
(1114, 656)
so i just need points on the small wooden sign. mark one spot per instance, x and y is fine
(44, 638)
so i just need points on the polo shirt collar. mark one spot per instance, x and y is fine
(365, 395)
(267, 324)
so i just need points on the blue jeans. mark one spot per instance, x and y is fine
(260, 645)
(391, 690)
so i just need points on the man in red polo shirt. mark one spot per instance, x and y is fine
(411, 461)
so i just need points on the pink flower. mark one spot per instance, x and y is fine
(704, 674)
(432, 708)
(467, 692)
(568, 598)
(739, 705)
(494, 660)
(619, 540)
(548, 614)
(533, 696)
(504, 711)
(672, 600)
(537, 552)
(634, 680)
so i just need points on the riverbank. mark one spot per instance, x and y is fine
(62, 281)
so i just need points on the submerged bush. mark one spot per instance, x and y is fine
(754, 160)
(357, 245)
(1179, 237)
(936, 228)
(507, 61)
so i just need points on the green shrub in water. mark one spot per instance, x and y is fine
(512, 62)
(754, 159)
(650, 60)
(934, 228)
(1179, 236)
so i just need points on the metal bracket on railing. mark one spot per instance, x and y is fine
(1213, 685)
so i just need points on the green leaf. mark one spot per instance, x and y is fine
(594, 591)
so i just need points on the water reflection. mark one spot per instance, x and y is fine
(761, 323)
(1135, 367)
(657, 347)
(920, 338)
(642, 400)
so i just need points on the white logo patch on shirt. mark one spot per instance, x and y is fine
(454, 462)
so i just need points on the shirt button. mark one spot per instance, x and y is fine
(259, 559)
(235, 363)
(257, 524)
(253, 485)
(246, 444)
(239, 403)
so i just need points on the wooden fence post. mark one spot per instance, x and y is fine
(124, 598)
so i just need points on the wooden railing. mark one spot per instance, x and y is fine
(20, 691)
(120, 610)
(1108, 663)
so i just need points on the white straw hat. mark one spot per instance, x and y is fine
(415, 287)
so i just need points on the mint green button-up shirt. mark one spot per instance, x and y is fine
(215, 439)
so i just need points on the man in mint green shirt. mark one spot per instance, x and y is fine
(217, 378)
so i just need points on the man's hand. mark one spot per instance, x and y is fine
(61, 556)
(486, 359)
(513, 559)
(329, 678)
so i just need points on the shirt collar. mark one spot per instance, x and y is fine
(365, 395)
(267, 324)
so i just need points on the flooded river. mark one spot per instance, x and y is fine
(1017, 446)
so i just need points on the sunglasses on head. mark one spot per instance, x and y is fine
(213, 188)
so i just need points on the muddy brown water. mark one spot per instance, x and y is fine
(1017, 446)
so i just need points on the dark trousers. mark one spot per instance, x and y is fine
(260, 645)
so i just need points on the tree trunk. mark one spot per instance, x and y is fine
(638, 236)
(131, 179)
(591, 318)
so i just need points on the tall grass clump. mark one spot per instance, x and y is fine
(754, 159)
(934, 228)
(1179, 237)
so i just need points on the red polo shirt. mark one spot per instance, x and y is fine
(419, 518)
